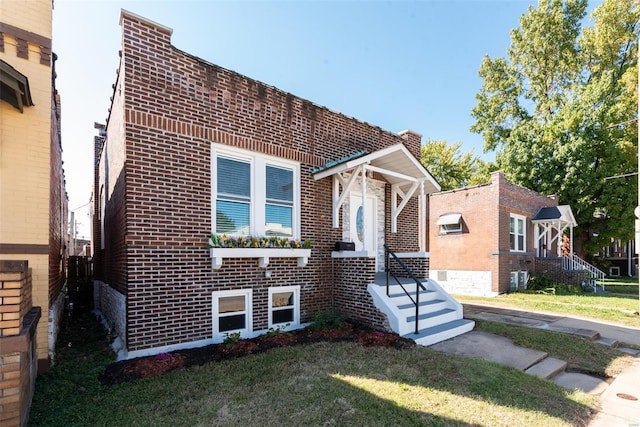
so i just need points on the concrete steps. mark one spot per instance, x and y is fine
(439, 315)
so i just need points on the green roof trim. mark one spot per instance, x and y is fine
(337, 162)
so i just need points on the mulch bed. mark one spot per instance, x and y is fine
(153, 366)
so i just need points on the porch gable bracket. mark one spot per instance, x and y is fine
(338, 198)
(395, 208)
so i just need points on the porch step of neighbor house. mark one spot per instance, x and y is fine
(439, 315)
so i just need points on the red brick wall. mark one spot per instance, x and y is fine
(351, 298)
(158, 213)
(58, 208)
(484, 243)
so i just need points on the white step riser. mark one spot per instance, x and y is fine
(409, 327)
(444, 335)
(411, 311)
(404, 299)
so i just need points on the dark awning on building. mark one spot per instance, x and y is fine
(14, 87)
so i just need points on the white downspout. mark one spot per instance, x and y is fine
(629, 259)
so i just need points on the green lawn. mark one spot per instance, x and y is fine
(620, 309)
(318, 384)
(622, 285)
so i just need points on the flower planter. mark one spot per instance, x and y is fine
(263, 254)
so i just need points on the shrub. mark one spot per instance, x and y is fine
(327, 319)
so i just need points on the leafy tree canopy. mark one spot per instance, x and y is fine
(451, 168)
(560, 110)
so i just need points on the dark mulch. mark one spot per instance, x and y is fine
(152, 366)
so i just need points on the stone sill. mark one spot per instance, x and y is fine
(263, 254)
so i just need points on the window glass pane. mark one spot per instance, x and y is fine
(520, 243)
(282, 299)
(234, 178)
(231, 304)
(232, 217)
(279, 183)
(514, 280)
(520, 226)
(512, 241)
(282, 316)
(231, 323)
(512, 227)
(278, 220)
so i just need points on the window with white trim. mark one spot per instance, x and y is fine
(231, 312)
(450, 223)
(284, 306)
(518, 280)
(517, 233)
(254, 194)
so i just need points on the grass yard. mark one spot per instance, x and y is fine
(581, 354)
(619, 309)
(622, 285)
(317, 384)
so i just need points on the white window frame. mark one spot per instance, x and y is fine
(516, 217)
(447, 225)
(258, 163)
(296, 307)
(244, 332)
(521, 274)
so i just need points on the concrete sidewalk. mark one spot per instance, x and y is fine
(617, 404)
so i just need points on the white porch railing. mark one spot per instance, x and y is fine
(573, 263)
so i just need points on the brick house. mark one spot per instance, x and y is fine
(487, 239)
(33, 199)
(33, 204)
(189, 149)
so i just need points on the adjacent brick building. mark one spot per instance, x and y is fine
(33, 204)
(191, 148)
(33, 199)
(488, 239)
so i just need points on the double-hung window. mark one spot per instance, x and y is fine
(232, 312)
(284, 306)
(254, 194)
(517, 233)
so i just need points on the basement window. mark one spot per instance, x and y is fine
(284, 307)
(450, 223)
(231, 312)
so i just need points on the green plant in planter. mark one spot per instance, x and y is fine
(279, 330)
(224, 241)
(231, 339)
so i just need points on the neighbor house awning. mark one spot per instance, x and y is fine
(14, 87)
(449, 219)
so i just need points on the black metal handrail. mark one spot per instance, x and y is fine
(407, 270)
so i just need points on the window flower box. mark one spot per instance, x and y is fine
(263, 254)
(263, 248)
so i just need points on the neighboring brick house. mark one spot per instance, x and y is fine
(33, 204)
(620, 258)
(190, 148)
(487, 239)
(33, 199)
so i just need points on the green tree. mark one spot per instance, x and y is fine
(451, 168)
(560, 110)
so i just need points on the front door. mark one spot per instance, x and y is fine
(365, 239)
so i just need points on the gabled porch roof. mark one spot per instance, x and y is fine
(407, 176)
(395, 163)
(555, 214)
